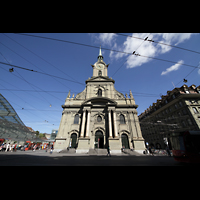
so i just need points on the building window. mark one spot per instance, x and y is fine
(195, 110)
(100, 73)
(122, 119)
(76, 119)
(187, 91)
(184, 124)
(99, 93)
(180, 103)
(189, 121)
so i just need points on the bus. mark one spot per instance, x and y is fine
(186, 146)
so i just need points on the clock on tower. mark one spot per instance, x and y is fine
(100, 67)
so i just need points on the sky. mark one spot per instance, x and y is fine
(37, 98)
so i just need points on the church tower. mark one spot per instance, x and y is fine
(99, 117)
(100, 68)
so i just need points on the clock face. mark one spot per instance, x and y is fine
(99, 66)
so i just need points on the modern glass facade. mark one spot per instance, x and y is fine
(11, 126)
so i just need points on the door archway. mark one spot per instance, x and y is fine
(99, 140)
(73, 140)
(125, 141)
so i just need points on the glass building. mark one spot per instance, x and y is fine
(11, 126)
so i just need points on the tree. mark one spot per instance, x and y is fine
(37, 133)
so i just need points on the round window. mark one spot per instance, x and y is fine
(99, 119)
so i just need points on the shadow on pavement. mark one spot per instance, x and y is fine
(34, 159)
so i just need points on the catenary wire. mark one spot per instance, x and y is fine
(128, 57)
(106, 49)
(40, 58)
(40, 72)
(162, 43)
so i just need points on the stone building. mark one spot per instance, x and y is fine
(177, 111)
(99, 116)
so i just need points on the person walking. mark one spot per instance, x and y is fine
(168, 151)
(150, 150)
(108, 150)
(51, 149)
(7, 147)
(34, 148)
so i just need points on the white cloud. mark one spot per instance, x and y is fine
(107, 38)
(173, 67)
(146, 48)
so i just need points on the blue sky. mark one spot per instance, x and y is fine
(31, 94)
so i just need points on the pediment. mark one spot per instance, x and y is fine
(99, 101)
(100, 78)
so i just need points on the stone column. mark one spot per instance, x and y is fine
(83, 124)
(110, 123)
(115, 124)
(88, 124)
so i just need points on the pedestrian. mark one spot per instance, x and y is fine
(123, 148)
(131, 147)
(1, 147)
(150, 150)
(25, 147)
(168, 151)
(7, 147)
(34, 148)
(4, 147)
(51, 149)
(108, 150)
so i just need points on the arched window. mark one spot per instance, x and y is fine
(122, 119)
(99, 93)
(100, 73)
(76, 119)
(99, 118)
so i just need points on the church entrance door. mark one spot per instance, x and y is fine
(99, 140)
(73, 140)
(125, 142)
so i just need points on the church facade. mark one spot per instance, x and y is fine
(99, 117)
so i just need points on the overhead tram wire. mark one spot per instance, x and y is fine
(187, 75)
(41, 58)
(40, 72)
(135, 93)
(106, 49)
(21, 77)
(30, 62)
(128, 57)
(162, 43)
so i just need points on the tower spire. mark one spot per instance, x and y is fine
(100, 57)
(100, 51)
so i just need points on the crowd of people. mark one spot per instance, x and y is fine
(4, 147)
(9, 147)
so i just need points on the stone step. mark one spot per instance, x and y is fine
(128, 151)
(70, 151)
(97, 151)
